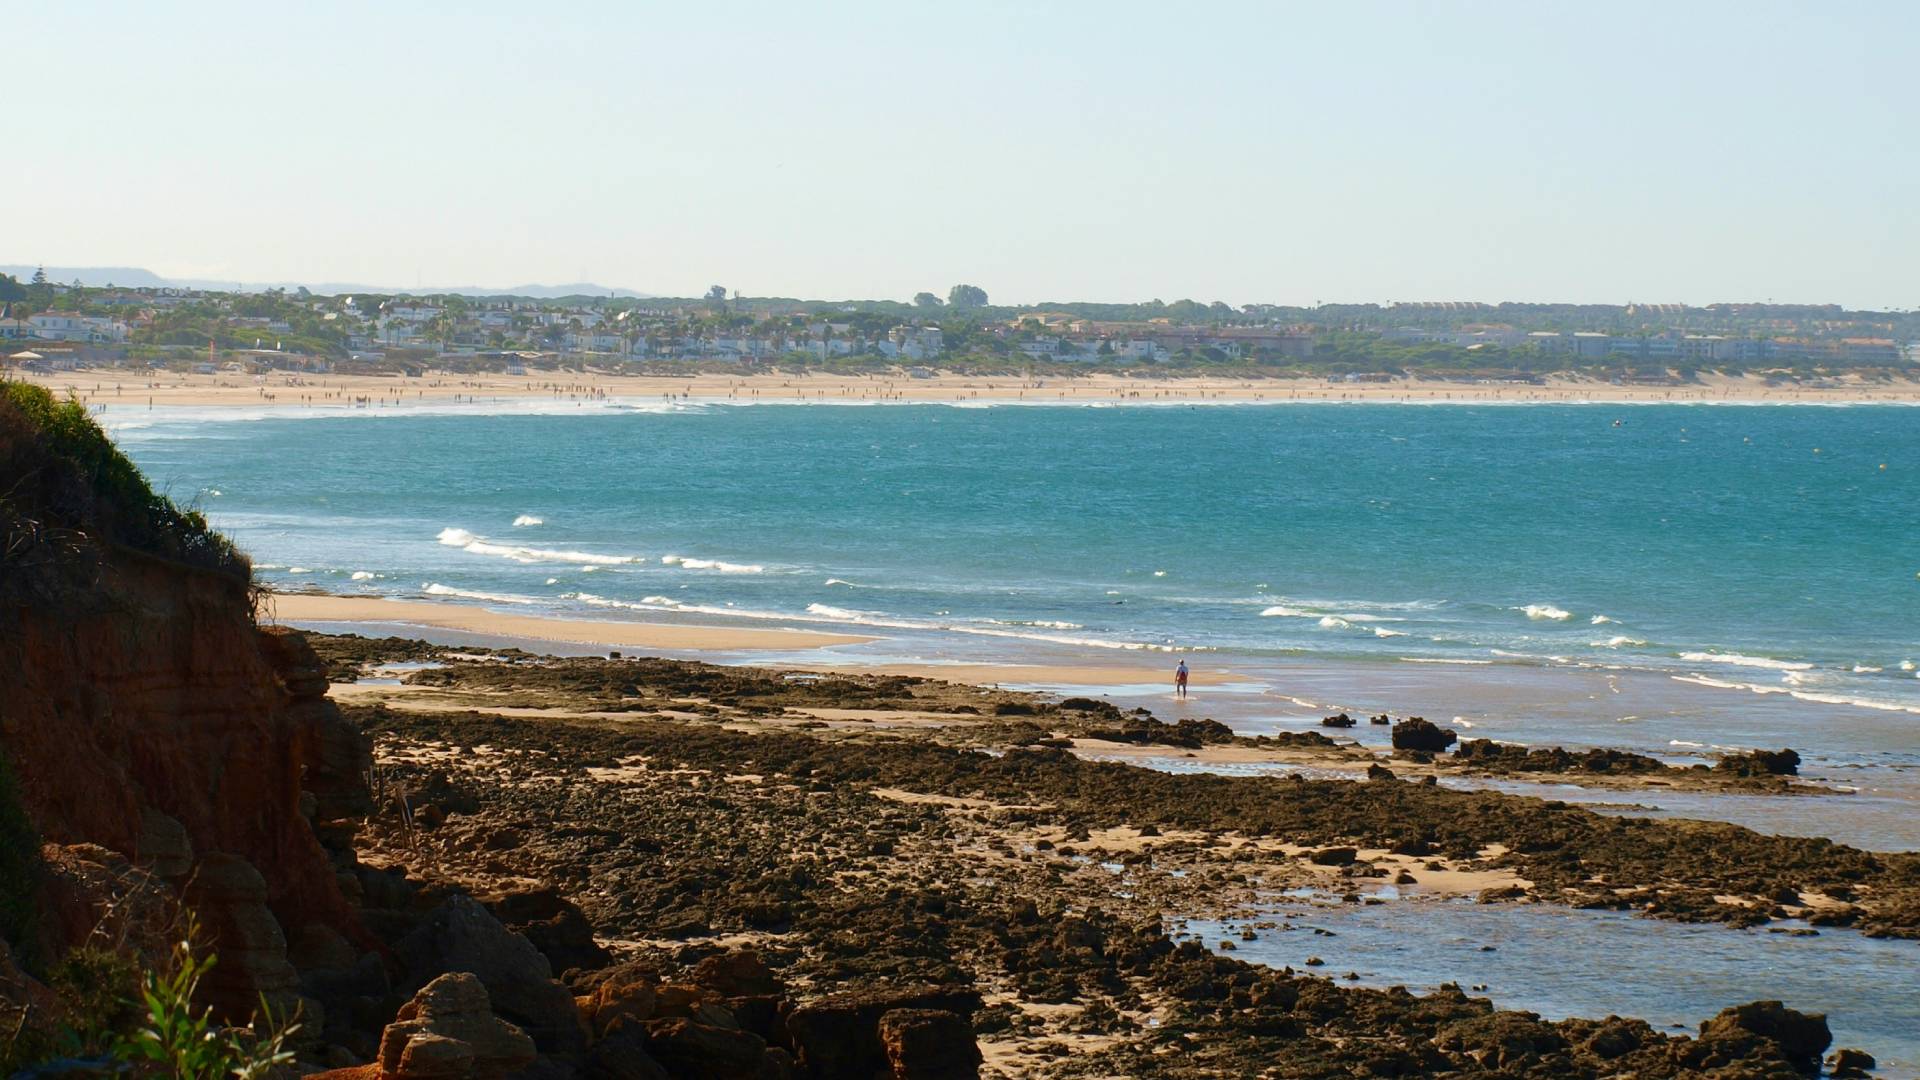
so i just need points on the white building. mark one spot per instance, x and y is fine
(67, 326)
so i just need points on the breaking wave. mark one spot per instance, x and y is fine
(479, 545)
(1741, 660)
(712, 564)
(1547, 613)
(434, 588)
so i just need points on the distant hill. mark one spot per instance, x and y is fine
(130, 276)
(136, 278)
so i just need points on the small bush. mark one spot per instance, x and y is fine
(190, 1046)
(64, 488)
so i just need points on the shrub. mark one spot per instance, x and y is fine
(64, 486)
(190, 1046)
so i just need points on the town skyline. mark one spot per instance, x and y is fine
(1239, 152)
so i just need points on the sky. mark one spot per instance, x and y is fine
(1248, 152)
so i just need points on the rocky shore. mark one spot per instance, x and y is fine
(487, 864)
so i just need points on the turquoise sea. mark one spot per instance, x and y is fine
(1672, 579)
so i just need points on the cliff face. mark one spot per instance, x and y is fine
(152, 718)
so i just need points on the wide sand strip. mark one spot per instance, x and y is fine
(295, 608)
(138, 388)
(307, 608)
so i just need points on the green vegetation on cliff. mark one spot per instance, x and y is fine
(65, 490)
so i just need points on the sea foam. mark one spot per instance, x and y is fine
(479, 545)
(1547, 613)
(434, 588)
(1741, 660)
(688, 563)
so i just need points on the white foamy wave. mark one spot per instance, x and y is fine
(838, 581)
(298, 570)
(1441, 660)
(1601, 620)
(1383, 632)
(1616, 641)
(1799, 695)
(434, 588)
(1683, 742)
(1547, 613)
(478, 545)
(830, 612)
(525, 520)
(1043, 624)
(1287, 612)
(1741, 660)
(363, 575)
(1334, 622)
(712, 564)
(1865, 669)
(1906, 665)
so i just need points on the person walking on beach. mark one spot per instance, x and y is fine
(1180, 680)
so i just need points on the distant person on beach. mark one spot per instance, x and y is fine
(1180, 680)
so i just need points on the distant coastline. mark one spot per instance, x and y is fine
(138, 387)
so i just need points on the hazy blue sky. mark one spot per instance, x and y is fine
(1290, 153)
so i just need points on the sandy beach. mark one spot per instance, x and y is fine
(305, 608)
(138, 387)
(318, 610)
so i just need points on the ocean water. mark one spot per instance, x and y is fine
(1677, 579)
(1560, 962)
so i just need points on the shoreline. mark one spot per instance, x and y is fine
(301, 608)
(328, 612)
(138, 387)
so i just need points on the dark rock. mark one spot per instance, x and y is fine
(1417, 733)
(929, 1044)
(1338, 720)
(461, 935)
(839, 1035)
(554, 924)
(1801, 1037)
(697, 1051)
(1334, 856)
(1761, 763)
(1852, 1063)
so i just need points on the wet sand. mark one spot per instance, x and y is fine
(305, 609)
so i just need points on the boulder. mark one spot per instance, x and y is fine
(1851, 1063)
(839, 1035)
(1338, 720)
(229, 898)
(929, 1044)
(1761, 763)
(1334, 856)
(739, 973)
(555, 925)
(447, 1032)
(698, 1051)
(1801, 1037)
(461, 935)
(163, 846)
(1417, 733)
(623, 1056)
